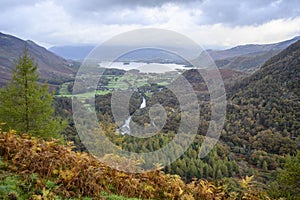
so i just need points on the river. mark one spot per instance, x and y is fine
(125, 129)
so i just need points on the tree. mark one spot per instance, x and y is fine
(26, 105)
(265, 165)
(289, 177)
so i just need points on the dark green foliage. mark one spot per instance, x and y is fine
(263, 112)
(289, 178)
(26, 105)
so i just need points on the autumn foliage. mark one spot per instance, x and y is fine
(81, 174)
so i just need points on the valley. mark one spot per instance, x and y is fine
(260, 136)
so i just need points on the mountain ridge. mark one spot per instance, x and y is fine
(247, 58)
(250, 49)
(283, 67)
(52, 67)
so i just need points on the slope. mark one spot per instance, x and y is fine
(52, 67)
(279, 76)
(264, 111)
(31, 168)
(248, 57)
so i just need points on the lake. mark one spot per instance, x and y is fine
(145, 67)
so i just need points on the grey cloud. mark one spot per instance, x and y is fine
(238, 12)
(231, 12)
(10, 4)
(94, 5)
(52, 21)
(109, 11)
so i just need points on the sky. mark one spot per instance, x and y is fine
(213, 24)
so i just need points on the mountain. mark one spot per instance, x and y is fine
(280, 75)
(152, 55)
(52, 67)
(248, 57)
(72, 52)
(250, 49)
(263, 111)
(140, 55)
(273, 92)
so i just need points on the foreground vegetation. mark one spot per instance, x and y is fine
(32, 168)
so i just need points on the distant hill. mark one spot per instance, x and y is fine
(248, 57)
(140, 55)
(280, 75)
(52, 67)
(72, 52)
(152, 55)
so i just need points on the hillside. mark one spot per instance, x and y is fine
(229, 76)
(273, 91)
(279, 76)
(278, 81)
(31, 168)
(248, 57)
(263, 112)
(52, 67)
(251, 48)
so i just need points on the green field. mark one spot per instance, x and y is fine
(127, 81)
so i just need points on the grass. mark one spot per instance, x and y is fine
(121, 82)
(128, 81)
(164, 83)
(64, 89)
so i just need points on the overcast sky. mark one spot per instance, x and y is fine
(211, 23)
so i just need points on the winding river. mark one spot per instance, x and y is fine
(125, 129)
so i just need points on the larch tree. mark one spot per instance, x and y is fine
(27, 105)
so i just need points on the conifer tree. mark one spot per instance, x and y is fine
(288, 178)
(25, 104)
